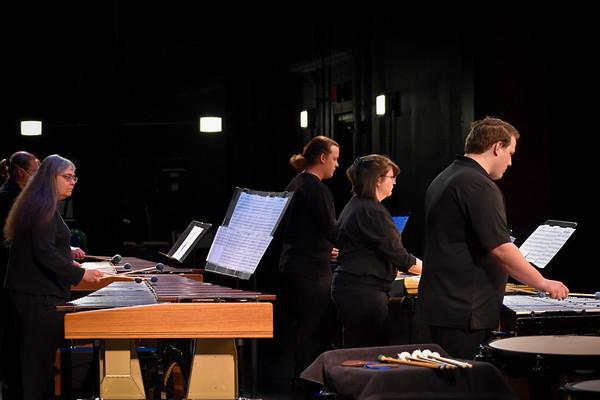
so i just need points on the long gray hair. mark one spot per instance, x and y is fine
(39, 199)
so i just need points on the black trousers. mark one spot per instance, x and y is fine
(39, 330)
(362, 310)
(5, 358)
(458, 342)
(308, 301)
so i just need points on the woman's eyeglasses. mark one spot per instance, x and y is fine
(70, 178)
(393, 178)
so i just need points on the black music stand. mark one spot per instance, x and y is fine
(246, 232)
(242, 239)
(187, 241)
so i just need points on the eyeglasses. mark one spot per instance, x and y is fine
(70, 178)
(393, 178)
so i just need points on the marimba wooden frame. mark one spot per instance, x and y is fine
(213, 325)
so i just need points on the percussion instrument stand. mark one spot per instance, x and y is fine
(543, 381)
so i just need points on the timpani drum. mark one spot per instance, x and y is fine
(560, 351)
(542, 359)
(582, 390)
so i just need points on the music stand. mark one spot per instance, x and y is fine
(187, 241)
(242, 239)
(246, 232)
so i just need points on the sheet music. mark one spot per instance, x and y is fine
(238, 249)
(247, 230)
(544, 243)
(257, 213)
(188, 241)
(104, 266)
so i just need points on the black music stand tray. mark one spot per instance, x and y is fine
(187, 241)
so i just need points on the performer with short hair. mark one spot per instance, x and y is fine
(468, 251)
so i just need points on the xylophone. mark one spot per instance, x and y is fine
(172, 307)
(534, 315)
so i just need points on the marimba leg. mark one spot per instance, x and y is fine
(120, 373)
(213, 374)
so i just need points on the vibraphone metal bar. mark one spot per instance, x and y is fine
(533, 315)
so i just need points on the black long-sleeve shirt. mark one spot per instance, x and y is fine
(369, 243)
(8, 193)
(40, 260)
(309, 228)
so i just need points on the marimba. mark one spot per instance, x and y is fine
(172, 307)
(533, 315)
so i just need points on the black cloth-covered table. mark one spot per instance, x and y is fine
(483, 381)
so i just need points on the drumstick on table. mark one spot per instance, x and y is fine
(436, 356)
(419, 355)
(405, 355)
(383, 358)
(367, 364)
(414, 357)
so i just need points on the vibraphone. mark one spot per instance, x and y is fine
(136, 267)
(172, 307)
(533, 315)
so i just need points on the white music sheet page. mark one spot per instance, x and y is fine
(104, 266)
(239, 245)
(238, 249)
(544, 243)
(257, 213)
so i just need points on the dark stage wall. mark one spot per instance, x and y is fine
(120, 89)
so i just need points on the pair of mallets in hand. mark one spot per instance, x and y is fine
(117, 258)
(159, 267)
